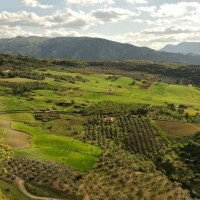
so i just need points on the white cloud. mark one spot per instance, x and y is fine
(89, 2)
(8, 32)
(69, 19)
(62, 16)
(148, 9)
(60, 33)
(137, 1)
(170, 23)
(72, 19)
(113, 14)
(173, 10)
(171, 30)
(35, 4)
(22, 19)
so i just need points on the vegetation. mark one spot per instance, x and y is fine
(57, 148)
(11, 192)
(99, 129)
(6, 154)
(87, 48)
(131, 133)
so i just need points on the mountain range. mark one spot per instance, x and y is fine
(88, 49)
(184, 47)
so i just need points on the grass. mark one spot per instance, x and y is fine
(17, 80)
(23, 117)
(2, 132)
(11, 191)
(67, 125)
(96, 89)
(69, 157)
(57, 148)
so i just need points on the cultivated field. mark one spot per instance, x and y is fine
(131, 133)
(16, 139)
(57, 148)
(178, 129)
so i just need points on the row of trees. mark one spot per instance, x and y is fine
(131, 133)
(109, 107)
(19, 88)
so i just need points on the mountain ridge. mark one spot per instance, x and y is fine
(192, 48)
(87, 48)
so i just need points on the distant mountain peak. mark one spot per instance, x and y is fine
(192, 48)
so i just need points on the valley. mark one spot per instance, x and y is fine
(99, 129)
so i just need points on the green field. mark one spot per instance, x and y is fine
(57, 148)
(98, 88)
(45, 145)
(2, 131)
(23, 117)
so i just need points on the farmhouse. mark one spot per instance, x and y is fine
(109, 119)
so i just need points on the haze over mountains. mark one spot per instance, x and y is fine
(184, 47)
(87, 48)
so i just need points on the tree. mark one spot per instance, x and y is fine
(5, 155)
(187, 115)
(171, 106)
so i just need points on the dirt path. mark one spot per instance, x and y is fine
(20, 184)
(196, 127)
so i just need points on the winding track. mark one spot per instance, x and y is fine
(20, 184)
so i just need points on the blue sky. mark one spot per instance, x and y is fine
(151, 23)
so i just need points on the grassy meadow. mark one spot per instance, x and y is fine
(98, 87)
(57, 148)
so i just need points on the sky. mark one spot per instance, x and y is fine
(150, 23)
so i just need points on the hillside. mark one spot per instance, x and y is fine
(184, 47)
(99, 129)
(88, 49)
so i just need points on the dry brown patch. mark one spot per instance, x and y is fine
(16, 139)
(177, 129)
(4, 123)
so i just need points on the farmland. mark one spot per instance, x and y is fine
(178, 129)
(102, 87)
(85, 133)
(132, 134)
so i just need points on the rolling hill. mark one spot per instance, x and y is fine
(88, 49)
